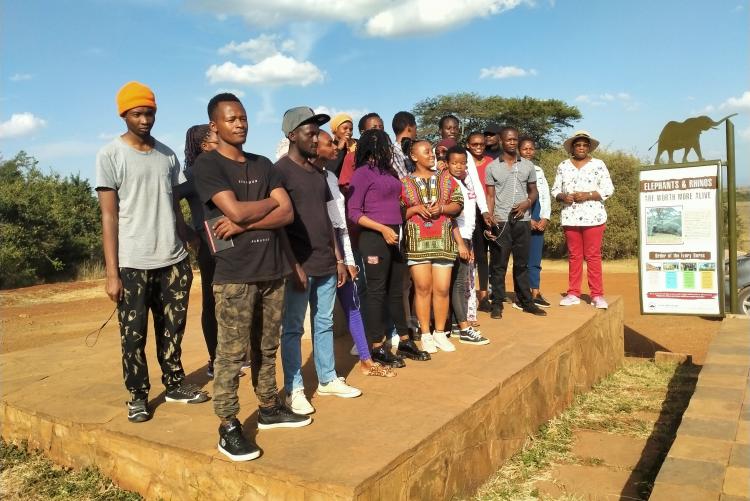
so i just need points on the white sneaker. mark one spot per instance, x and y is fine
(599, 302)
(570, 300)
(354, 352)
(428, 343)
(338, 388)
(442, 341)
(298, 402)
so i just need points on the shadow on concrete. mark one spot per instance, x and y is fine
(638, 345)
(680, 389)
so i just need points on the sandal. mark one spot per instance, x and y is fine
(380, 370)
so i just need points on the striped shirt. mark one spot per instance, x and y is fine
(510, 185)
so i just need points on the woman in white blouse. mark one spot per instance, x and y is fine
(582, 184)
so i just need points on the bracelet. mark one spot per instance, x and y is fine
(339, 261)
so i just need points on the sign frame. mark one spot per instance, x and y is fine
(720, 275)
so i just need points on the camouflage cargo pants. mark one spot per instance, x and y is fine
(164, 291)
(247, 313)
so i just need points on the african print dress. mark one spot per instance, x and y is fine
(430, 239)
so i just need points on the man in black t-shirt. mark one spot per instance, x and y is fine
(248, 284)
(318, 266)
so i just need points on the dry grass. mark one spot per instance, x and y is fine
(29, 476)
(620, 403)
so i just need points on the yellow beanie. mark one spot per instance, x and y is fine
(339, 119)
(133, 95)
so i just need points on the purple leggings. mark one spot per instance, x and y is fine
(349, 300)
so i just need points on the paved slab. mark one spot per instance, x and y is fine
(711, 452)
(437, 430)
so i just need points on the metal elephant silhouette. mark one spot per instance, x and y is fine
(684, 136)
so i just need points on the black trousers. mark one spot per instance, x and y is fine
(481, 252)
(164, 291)
(384, 270)
(207, 265)
(515, 239)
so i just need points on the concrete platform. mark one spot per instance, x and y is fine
(437, 430)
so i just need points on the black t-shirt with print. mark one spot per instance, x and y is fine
(256, 255)
(310, 233)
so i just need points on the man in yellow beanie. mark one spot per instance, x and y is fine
(143, 235)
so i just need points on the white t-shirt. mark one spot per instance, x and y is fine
(466, 221)
(147, 229)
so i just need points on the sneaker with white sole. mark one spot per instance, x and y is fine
(471, 336)
(338, 388)
(186, 394)
(279, 416)
(138, 410)
(599, 302)
(570, 300)
(234, 445)
(442, 341)
(428, 343)
(298, 402)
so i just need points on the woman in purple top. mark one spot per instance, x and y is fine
(374, 205)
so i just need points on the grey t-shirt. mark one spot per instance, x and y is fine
(510, 185)
(147, 232)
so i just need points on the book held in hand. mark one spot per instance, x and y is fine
(216, 243)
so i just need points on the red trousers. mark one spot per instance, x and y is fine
(585, 243)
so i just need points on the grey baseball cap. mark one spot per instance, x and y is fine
(301, 115)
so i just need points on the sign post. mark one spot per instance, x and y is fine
(681, 256)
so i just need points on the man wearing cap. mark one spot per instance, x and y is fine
(492, 146)
(143, 236)
(317, 263)
(248, 283)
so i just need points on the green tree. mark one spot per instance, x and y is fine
(49, 224)
(621, 237)
(542, 119)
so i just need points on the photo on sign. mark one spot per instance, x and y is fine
(689, 266)
(664, 225)
(707, 267)
(671, 266)
(653, 266)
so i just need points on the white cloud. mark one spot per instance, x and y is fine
(741, 103)
(356, 114)
(21, 124)
(257, 49)
(375, 17)
(237, 92)
(275, 70)
(622, 98)
(19, 77)
(499, 72)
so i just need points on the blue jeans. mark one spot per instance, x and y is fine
(536, 244)
(320, 294)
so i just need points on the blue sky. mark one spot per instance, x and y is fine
(630, 66)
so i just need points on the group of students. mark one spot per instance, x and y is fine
(369, 221)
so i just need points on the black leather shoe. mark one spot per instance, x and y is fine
(409, 350)
(484, 305)
(386, 358)
(497, 310)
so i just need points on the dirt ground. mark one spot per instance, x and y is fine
(58, 312)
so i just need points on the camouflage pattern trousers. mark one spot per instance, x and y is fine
(164, 291)
(247, 314)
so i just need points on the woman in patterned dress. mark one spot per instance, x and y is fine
(582, 184)
(430, 200)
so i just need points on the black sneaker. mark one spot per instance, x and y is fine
(386, 358)
(234, 445)
(138, 411)
(280, 417)
(534, 310)
(497, 310)
(186, 394)
(210, 369)
(484, 305)
(540, 301)
(408, 349)
(470, 336)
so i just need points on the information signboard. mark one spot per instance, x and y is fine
(681, 257)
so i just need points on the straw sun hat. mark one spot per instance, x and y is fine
(568, 144)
